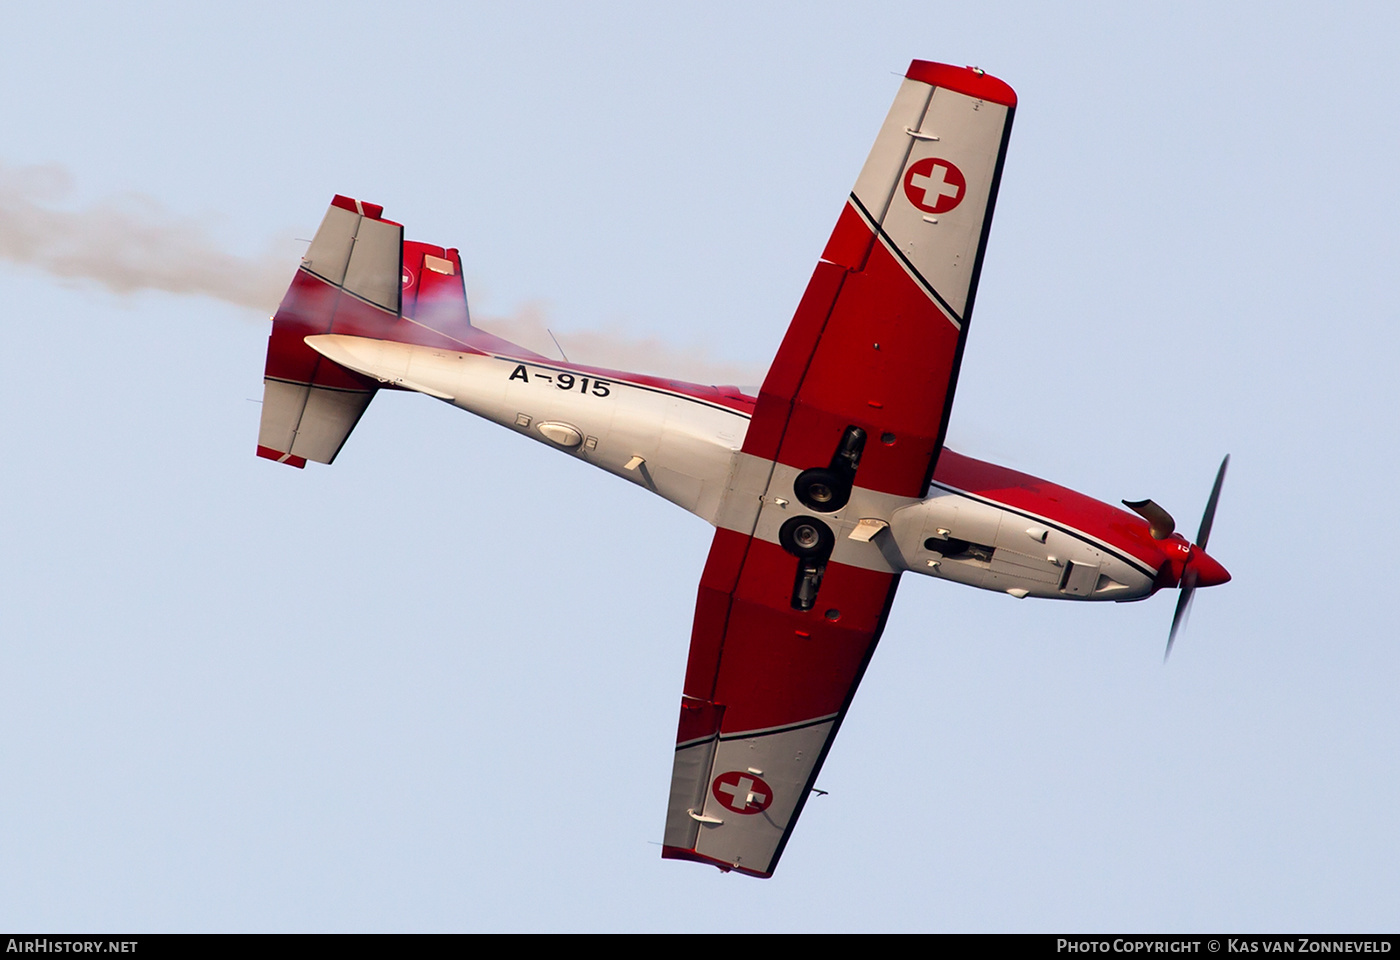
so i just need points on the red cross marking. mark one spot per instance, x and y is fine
(934, 185)
(742, 792)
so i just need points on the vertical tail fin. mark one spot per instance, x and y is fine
(434, 294)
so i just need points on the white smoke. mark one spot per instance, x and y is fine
(131, 243)
(616, 350)
(126, 244)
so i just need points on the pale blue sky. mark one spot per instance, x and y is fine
(435, 686)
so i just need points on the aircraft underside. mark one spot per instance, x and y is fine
(689, 451)
(823, 489)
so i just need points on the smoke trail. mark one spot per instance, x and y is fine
(126, 244)
(131, 243)
(614, 349)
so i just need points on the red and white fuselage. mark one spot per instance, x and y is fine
(980, 524)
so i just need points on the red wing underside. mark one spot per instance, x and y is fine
(875, 344)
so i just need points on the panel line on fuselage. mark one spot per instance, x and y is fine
(1129, 559)
(610, 376)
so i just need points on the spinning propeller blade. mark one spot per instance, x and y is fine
(1191, 575)
(1183, 608)
(1208, 517)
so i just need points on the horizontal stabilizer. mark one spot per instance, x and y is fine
(350, 277)
(308, 422)
(357, 252)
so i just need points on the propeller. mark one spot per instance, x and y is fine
(1190, 575)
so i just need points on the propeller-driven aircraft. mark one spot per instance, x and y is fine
(824, 489)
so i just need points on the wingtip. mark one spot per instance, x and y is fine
(277, 456)
(685, 853)
(973, 81)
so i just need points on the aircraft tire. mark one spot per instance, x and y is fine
(806, 538)
(822, 490)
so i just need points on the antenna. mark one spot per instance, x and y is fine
(556, 344)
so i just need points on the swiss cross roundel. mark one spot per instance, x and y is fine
(742, 792)
(406, 277)
(934, 185)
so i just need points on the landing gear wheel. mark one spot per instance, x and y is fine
(806, 538)
(822, 490)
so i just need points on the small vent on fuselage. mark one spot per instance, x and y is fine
(954, 549)
(1107, 584)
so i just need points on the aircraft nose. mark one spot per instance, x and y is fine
(1209, 572)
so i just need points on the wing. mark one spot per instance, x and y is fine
(859, 394)
(879, 334)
